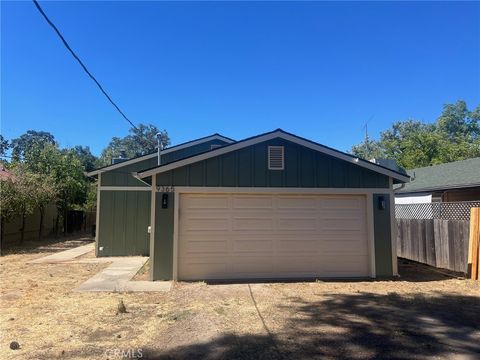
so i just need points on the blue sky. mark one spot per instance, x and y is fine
(319, 70)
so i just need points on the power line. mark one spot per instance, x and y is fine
(80, 62)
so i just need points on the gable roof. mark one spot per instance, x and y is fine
(184, 145)
(279, 133)
(453, 175)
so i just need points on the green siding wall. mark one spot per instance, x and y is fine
(248, 167)
(124, 219)
(192, 150)
(382, 233)
(125, 215)
(162, 254)
(123, 176)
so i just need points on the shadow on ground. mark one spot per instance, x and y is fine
(360, 326)
(412, 271)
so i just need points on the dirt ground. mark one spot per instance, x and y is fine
(422, 315)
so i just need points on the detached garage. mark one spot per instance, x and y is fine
(271, 207)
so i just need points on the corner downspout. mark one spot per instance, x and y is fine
(399, 188)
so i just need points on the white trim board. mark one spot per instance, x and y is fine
(393, 230)
(277, 190)
(270, 136)
(163, 152)
(97, 215)
(153, 216)
(125, 188)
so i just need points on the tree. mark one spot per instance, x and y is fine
(368, 149)
(44, 193)
(4, 145)
(21, 145)
(10, 204)
(87, 159)
(66, 172)
(454, 136)
(22, 187)
(140, 141)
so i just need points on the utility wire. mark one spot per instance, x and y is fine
(80, 62)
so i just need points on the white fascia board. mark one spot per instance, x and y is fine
(163, 152)
(125, 188)
(270, 136)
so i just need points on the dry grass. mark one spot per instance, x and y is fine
(363, 319)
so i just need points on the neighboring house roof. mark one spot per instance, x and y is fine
(454, 175)
(165, 151)
(279, 133)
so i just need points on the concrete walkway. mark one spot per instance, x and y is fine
(64, 256)
(117, 277)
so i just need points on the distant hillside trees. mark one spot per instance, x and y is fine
(455, 135)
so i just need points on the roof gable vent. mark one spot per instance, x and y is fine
(276, 158)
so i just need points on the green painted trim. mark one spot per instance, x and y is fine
(161, 258)
(383, 237)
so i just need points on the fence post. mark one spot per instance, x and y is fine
(474, 244)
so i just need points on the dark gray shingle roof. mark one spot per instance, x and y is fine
(458, 174)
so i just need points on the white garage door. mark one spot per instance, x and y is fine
(236, 236)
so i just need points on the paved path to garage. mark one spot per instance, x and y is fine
(117, 277)
(64, 256)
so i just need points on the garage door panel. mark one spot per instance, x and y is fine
(208, 269)
(299, 265)
(204, 247)
(297, 245)
(342, 225)
(252, 203)
(198, 202)
(205, 223)
(272, 236)
(302, 224)
(254, 244)
(245, 266)
(252, 224)
(351, 265)
(342, 203)
(297, 203)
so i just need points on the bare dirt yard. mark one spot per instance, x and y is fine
(422, 315)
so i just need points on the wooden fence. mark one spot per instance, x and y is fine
(436, 242)
(474, 246)
(442, 243)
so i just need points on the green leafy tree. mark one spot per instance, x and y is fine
(85, 156)
(24, 190)
(22, 145)
(44, 193)
(368, 149)
(4, 146)
(140, 141)
(66, 171)
(10, 204)
(454, 136)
